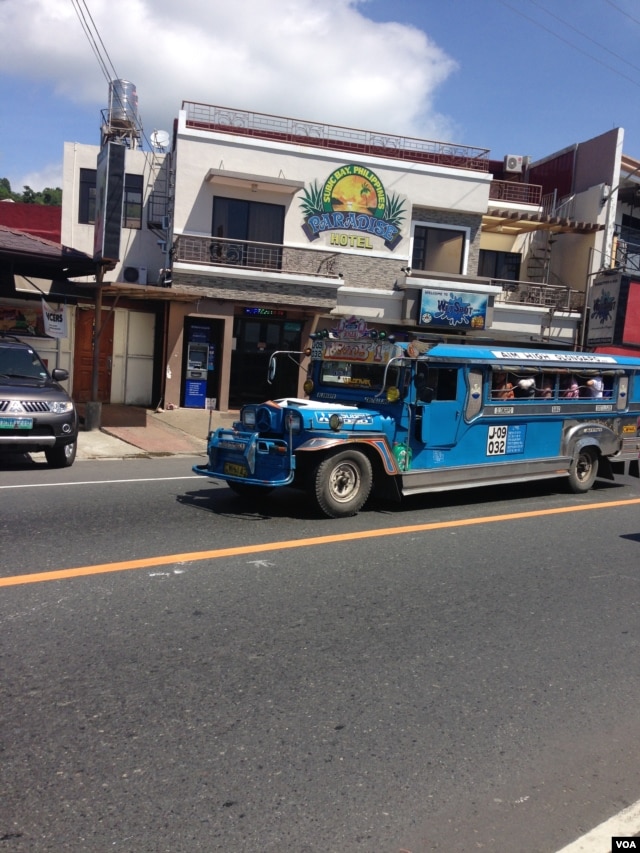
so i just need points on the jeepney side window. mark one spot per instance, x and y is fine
(436, 383)
(447, 388)
(547, 389)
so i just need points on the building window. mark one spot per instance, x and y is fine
(501, 265)
(438, 249)
(87, 202)
(132, 203)
(254, 223)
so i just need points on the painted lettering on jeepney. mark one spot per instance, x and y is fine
(372, 352)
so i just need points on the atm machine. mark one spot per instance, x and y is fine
(200, 377)
(195, 385)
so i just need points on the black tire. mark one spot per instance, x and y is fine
(583, 471)
(249, 491)
(342, 483)
(62, 455)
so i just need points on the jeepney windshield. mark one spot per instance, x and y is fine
(349, 374)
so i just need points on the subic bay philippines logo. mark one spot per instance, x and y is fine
(354, 199)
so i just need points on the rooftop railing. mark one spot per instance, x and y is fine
(317, 134)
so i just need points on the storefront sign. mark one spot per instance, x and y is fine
(603, 305)
(55, 320)
(444, 308)
(23, 320)
(352, 199)
(255, 311)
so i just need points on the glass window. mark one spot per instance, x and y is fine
(87, 200)
(502, 265)
(252, 222)
(132, 203)
(438, 249)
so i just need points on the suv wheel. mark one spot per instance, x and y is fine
(62, 455)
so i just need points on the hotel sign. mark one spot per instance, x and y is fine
(353, 207)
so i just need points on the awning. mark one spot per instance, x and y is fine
(514, 222)
(262, 183)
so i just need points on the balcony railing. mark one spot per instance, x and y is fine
(510, 191)
(298, 132)
(252, 255)
(534, 294)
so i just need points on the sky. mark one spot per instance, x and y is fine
(528, 77)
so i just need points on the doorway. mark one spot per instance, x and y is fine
(83, 356)
(256, 338)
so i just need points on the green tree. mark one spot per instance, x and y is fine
(49, 195)
(28, 196)
(5, 189)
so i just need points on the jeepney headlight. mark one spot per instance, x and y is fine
(393, 394)
(248, 417)
(335, 422)
(308, 387)
(293, 421)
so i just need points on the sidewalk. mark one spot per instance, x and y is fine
(128, 431)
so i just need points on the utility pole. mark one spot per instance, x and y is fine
(93, 409)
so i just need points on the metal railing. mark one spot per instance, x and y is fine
(554, 296)
(510, 191)
(253, 255)
(298, 132)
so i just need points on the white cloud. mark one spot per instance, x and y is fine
(49, 176)
(324, 61)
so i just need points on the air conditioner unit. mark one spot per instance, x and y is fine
(513, 163)
(135, 275)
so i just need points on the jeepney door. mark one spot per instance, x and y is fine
(442, 415)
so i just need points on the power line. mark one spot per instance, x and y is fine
(584, 35)
(91, 39)
(106, 52)
(570, 44)
(622, 12)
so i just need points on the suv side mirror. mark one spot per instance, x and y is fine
(59, 374)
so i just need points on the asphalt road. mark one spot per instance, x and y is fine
(457, 673)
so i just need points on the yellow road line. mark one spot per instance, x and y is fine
(195, 556)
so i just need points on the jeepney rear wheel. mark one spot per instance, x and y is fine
(583, 470)
(249, 491)
(342, 483)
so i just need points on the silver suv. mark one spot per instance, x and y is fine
(36, 413)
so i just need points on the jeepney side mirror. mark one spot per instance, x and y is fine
(271, 373)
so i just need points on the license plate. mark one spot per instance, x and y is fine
(16, 423)
(235, 470)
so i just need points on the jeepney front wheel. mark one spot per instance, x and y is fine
(342, 483)
(583, 470)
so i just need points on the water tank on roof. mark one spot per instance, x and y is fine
(123, 104)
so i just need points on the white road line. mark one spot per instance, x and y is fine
(625, 823)
(99, 482)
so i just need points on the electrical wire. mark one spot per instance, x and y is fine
(623, 12)
(586, 36)
(569, 43)
(91, 38)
